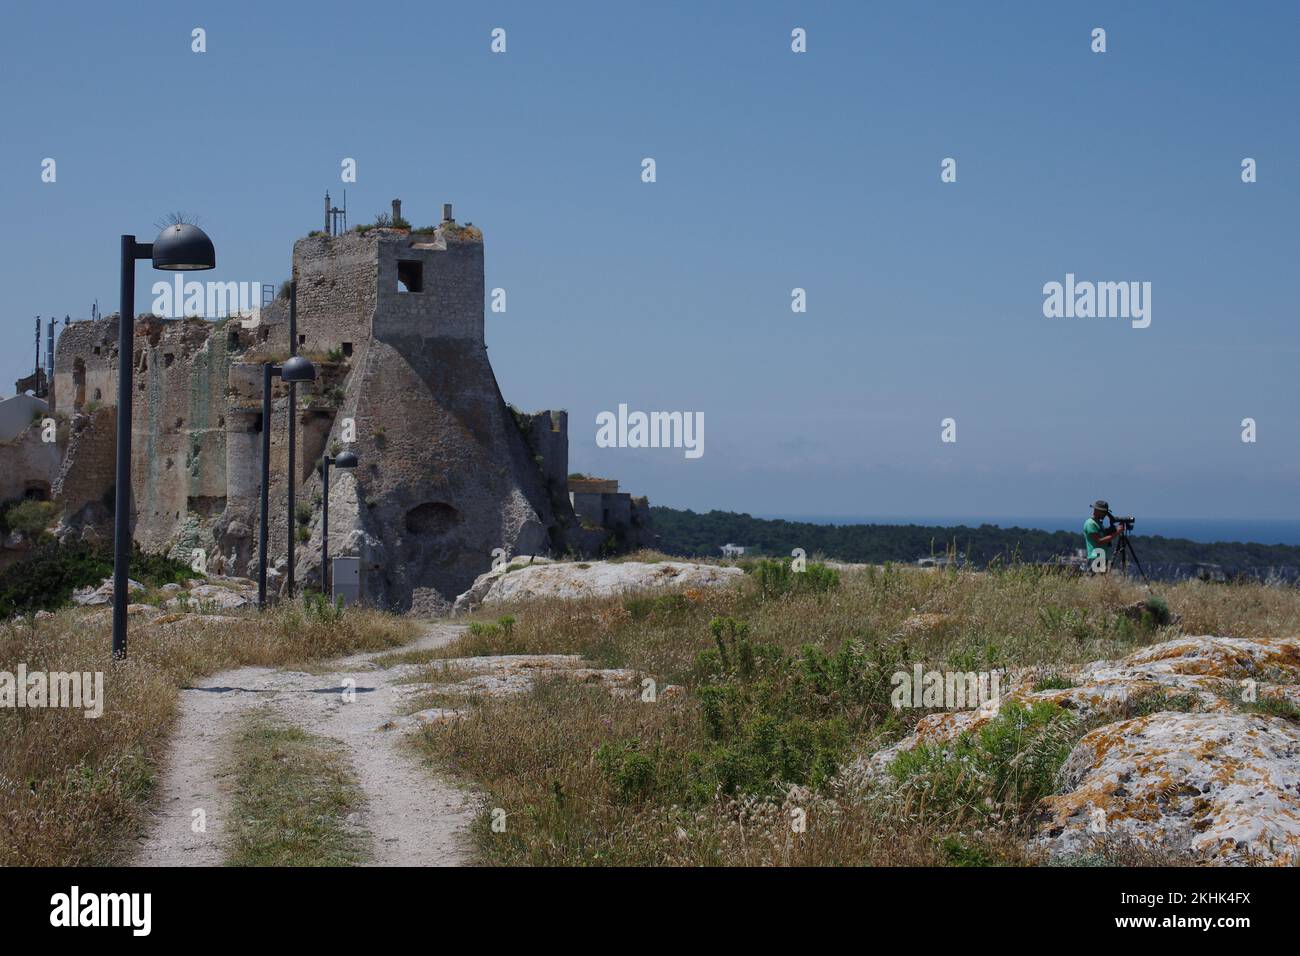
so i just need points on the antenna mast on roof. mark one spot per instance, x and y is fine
(336, 219)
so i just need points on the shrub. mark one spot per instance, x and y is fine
(629, 772)
(316, 608)
(29, 517)
(777, 577)
(778, 719)
(997, 772)
(46, 579)
(1156, 612)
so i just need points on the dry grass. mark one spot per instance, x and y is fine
(72, 789)
(294, 792)
(538, 756)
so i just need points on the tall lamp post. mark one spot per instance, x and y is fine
(182, 247)
(296, 369)
(293, 423)
(345, 460)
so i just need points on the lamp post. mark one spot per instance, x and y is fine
(293, 423)
(296, 369)
(345, 460)
(182, 247)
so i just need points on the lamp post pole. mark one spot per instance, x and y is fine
(180, 247)
(131, 250)
(293, 421)
(345, 460)
(296, 369)
(325, 529)
(266, 482)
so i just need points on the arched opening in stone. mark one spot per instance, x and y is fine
(432, 517)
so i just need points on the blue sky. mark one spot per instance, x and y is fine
(775, 171)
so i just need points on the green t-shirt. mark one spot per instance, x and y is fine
(1091, 530)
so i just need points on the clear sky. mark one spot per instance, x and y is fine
(775, 170)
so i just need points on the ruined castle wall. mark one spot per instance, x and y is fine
(30, 464)
(337, 278)
(446, 467)
(178, 458)
(450, 305)
(86, 474)
(85, 366)
(548, 439)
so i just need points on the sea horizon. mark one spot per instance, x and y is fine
(1284, 531)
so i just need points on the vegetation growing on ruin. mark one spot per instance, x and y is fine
(27, 517)
(780, 690)
(46, 579)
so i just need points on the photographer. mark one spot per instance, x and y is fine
(1095, 538)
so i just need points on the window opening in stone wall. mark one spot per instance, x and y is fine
(410, 276)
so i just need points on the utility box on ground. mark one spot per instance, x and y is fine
(346, 579)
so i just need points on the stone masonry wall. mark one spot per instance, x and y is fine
(85, 365)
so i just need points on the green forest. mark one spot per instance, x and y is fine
(687, 533)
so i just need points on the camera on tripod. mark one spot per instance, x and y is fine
(1123, 522)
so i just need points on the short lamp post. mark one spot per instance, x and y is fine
(296, 369)
(182, 247)
(345, 460)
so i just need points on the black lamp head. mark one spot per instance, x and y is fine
(183, 247)
(298, 369)
(346, 460)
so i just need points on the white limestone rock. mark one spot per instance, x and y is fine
(93, 597)
(545, 579)
(1225, 787)
(1209, 778)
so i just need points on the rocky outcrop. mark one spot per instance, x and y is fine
(518, 582)
(1209, 773)
(1224, 787)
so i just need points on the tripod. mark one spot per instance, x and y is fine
(1123, 551)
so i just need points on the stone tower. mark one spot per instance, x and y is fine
(447, 474)
(450, 476)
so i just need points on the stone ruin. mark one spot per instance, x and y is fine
(393, 320)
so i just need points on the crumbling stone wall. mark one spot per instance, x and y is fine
(178, 458)
(84, 485)
(338, 283)
(450, 305)
(449, 473)
(85, 366)
(29, 465)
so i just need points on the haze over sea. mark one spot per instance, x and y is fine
(1209, 530)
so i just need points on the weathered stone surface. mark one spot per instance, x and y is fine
(506, 674)
(594, 579)
(1206, 778)
(86, 476)
(483, 583)
(211, 595)
(1224, 786)
(91, 597)
(449, 474)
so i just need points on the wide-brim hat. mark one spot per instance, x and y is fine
(1100, 505)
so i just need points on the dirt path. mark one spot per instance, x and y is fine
(414, 817)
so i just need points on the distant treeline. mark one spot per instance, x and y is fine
(689, 533)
